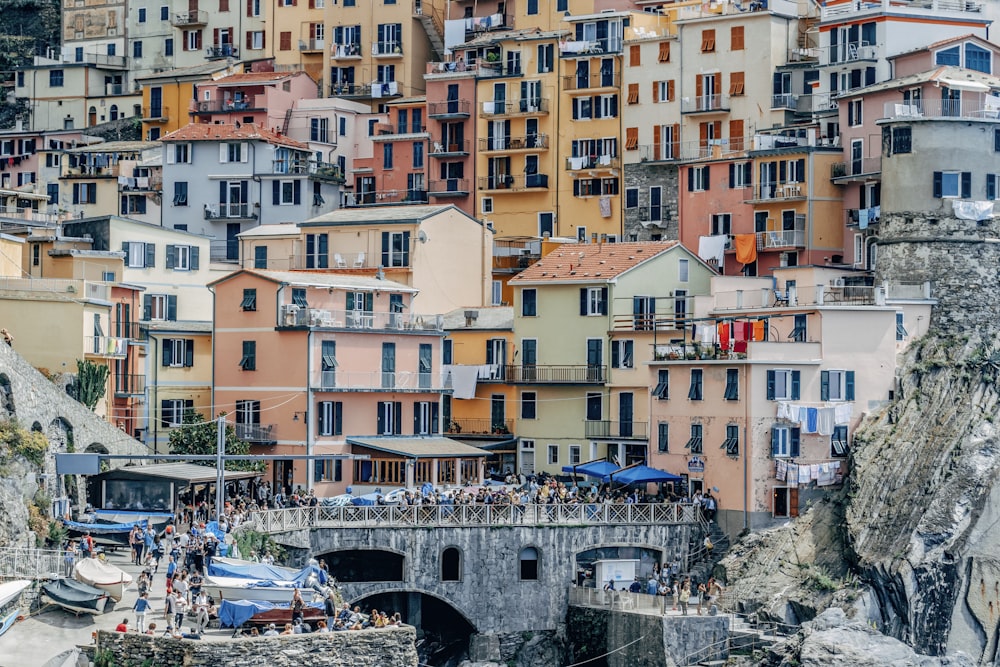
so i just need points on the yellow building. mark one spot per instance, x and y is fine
(301, 41)
(483, 408)
(167, 96)
(90, 185)
(178, 377)
(379, 51)
(11, 258)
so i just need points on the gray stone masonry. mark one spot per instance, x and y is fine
(643, 175)
(388, 647)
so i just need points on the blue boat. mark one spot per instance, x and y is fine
(10, 602)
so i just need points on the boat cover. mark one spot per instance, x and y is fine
(264, 572)
(96, 572)
(234, 613)
(132, 517)
(72, 591)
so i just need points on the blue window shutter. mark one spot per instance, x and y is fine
(991, 186)
(275, 192)
(171, 256)
(381, 418)
(849, 386)
(966, 184)
(770, 385)
(172, 307)
(385, 248)
(824, 386)
(416, 418)
(193, 258)
(604, 301)
(168, 352)
(222, 191)
(150, 255)
(796, 384)
(489, 352)
(583, 300)
(338, 418)
(774, 442)
(147, 306)
(398, 414)
(297, 192)
(706, 171)
(794, 436)
(321, 421)
(937, 184)
(615, 361)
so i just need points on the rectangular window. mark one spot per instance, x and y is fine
(694, 444)
(172, 411)
(697, 179)
(663, 437)
(799, 332)
(164, 13)
(168, 46)
(631, 198)
(663, 56)
(736, 38)
(783, 385)
(178, 352)
(426, 418)
(553, 455)
(55, 78)
(662, 388)
(142, 15)
(785, 441)
(838, 441)
(447, 352)
(395, 249)
(180, 193)
(655, 203)
(390, 418)
(248, 361)
(732, 385)
(574, 455)
(900, 329)
(182, 257)
(137, 49)
(707, 41)
(952, 184)
(721, 224)
(855, 113)
(249, 300)
(683, 270)
(902, 140)
(529, 405)
(732, 442)
(836, 385)
(418, 154)
(622, 354)
(696, 390)
(529, 302)
(740, 174)
(594, 407)
(593, 301)
(737, 82)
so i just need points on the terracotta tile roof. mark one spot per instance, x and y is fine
(591, 262)
(250, 78)
(227, 132)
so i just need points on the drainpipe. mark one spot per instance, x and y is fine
(310, 466)
(154, 391)
(746, 444)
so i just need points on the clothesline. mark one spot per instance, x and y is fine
(811, 419)
(824, 474)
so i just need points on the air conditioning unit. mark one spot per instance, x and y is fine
(837, 282)
(289, 314)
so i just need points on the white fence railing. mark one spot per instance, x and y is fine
(298, 518)
(23, 563)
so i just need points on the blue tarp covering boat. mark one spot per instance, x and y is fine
(265, 573)
(234, 613)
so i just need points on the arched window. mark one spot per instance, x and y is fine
(528, 561)
(451, 564)
(114, 112)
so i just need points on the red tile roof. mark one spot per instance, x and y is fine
(227, 132)
(593, 262)
(250, 78)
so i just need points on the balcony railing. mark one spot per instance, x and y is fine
(350, 50)
(776, 192)
(411, 381)
(705, 104)
(130, 385)
(376, 89)
(494, 108)
(90, 171)
(306, 45)
(848, 53)
(479, 24)
(21, 214)
(224, 250)
(528, 142)
(446, 149)
(449, 109)
(115, 89)
(326, 171)
(250, 103)
(871, 216)
(816, 103)
(781, 239)
(493, 70)
(785, 101)
(151, 183)
(389, 129)
(515, 254)
(191, 18)
(970, 106)
(824, 294)
(576, 48)
(480, 426)
(934, 8)
(538, 374)
(863, 167)
(105, 346)
(130, 330)
(160, 113)
(591, 81)
(592, 162)
(506, 182)
(100, 59)
(222, 51)
(362, 320)
(388, 49)
(227, 210)
(615, 429)
(379, 198)
(256, 434)
(449, 187)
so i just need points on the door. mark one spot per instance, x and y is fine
(680, 307)
(499, 97)
(643, 312)
(607, 72)
(155, 102)
(582, 74)
(595, 357)
(498, 414)
(951, 102)
(282, 476)
(696, 486)
(496, 357)
(857, 153)
(388, 365)
(453, 98)
(625, 410)
(527, 457)
(529, 358)
(709, 92)
(424, 365)
(545, 225)
(232, 242)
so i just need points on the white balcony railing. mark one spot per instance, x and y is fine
(412, 381)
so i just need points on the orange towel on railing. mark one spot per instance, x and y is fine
(758, 330)
(746, 248)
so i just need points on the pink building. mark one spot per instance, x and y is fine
(335, 364)
(262, 98)
(451, 98)
(397, 171)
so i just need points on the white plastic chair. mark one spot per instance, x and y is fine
(359, 263)
(339, 260)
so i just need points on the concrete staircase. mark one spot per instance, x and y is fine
(703, 562)
(433, 25)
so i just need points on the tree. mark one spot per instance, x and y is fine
(91, 382)
(197, 436)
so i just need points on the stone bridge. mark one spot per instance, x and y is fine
(501, 570)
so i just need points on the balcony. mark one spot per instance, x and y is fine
(775, 192)
(364, 91)
(479, 24)
(116, 89)
(938, 9)
(582, 374)
(100, 59)
(159, 114)
(474, 427)
(385, 130)
(250, 103)
(508, 183)
(25, 214)
(228, 211)
(496, 70)
(359, 320)
(224, 250)
(130, 385)
(871, 216)
(312, 45)
(449, 109)
(831, 294)
(595, 162)
(105, 347)
(256, 434)
(516, 254)
(326, 171)
(399, 381)
(189, 19)
(705, 104)
(819, 103)
(441, 149)
(602, 429)
(782, 239)
(220, 51)
(785, 101)
(509, 144)
(972, 106)
(387, 49)
(449, 187)
(138, 184)
(350, 51)
(90, 171)
(501, 108)
(863, 169)
(383, 197)
(839, 54)
(596, 47)
(594, 82)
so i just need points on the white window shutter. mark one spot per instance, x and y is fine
(171, 150)
(222, 153)
(244, 152)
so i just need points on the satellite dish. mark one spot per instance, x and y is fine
(422, 236)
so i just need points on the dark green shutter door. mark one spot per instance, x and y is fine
(824, 386)
(849, 386)
(796, 384)
(189, 353)
(770, 385)
(172, 307)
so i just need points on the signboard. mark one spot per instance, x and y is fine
(78, 464)
(696, 464)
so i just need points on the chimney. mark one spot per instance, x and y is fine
(470, 317)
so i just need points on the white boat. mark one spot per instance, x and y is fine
(234, 588)
(10, 602)
(103, 575)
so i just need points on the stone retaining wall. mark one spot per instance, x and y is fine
(388, 647)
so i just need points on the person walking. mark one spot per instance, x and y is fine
(69, 559)
(141, 607)
(702, 593)
(685, 596)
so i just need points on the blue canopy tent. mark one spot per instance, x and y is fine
(599, 468)
(642, 474)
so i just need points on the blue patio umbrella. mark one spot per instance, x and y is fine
(642, 474)
(600, 469)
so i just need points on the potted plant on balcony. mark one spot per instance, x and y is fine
(454, 427)
(500, 429)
